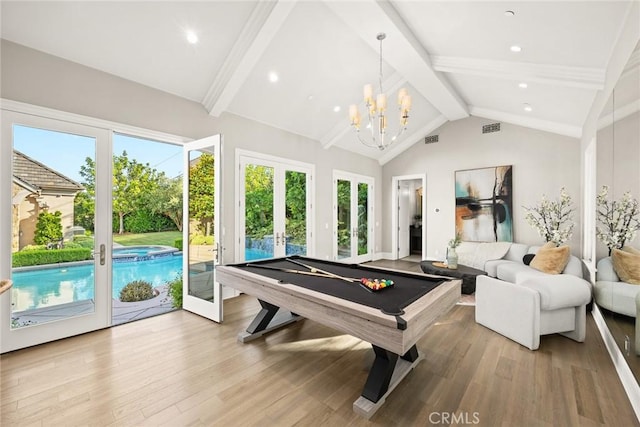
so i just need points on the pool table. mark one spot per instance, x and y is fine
(392, 319)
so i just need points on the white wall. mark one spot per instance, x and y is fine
(618, 164)
(33, 77)
(542, 163)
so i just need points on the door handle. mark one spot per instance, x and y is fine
(102, 253)
(277, 239)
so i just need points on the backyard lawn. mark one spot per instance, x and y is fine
(166, 238)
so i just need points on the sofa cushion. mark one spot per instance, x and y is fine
(476, 254)
(516, 252)
(559, 291)
(616, 296)
(550, 259)
(627, 265)
(510, 270)
(605, 271)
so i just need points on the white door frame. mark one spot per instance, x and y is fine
(210, 310)
(244, 157)
(12, 339)
(355, 178)
(394, 211)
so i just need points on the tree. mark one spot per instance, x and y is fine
(258, 201)
(48, 228)
(201, 191)
(84, 210)
(131, 182)
(166, 199)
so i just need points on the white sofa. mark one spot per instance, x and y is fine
(522, 303)
(613, 294)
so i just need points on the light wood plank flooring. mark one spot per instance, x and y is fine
(179, 369)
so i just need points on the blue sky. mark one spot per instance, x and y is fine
(65, 152)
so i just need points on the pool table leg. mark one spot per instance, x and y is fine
(386, 373)
(269, 318)
(382, 370)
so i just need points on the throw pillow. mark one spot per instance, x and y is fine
(626, 265)
(550, 259)
(528, 258)
(631, 250)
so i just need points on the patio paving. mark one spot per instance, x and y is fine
(123, 312)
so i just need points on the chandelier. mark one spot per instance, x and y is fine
(376, 112)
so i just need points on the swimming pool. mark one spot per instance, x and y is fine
(59, 285)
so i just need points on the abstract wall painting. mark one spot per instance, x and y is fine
(484, 200)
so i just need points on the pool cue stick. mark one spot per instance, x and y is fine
(314, 269)
(307, 273)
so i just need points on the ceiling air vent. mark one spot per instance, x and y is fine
(430, 139)
(493, 127)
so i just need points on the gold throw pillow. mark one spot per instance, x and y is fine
(631, 250)
(551, 259)
(627, 265)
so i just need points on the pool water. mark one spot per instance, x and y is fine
(138, 251)
(52, 286)
(251, 254)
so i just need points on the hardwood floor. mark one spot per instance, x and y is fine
(180, 369)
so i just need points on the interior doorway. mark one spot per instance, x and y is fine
(408, 217)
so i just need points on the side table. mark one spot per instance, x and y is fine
(466, 273)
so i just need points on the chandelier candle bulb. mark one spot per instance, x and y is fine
(381, 101)
(402, 93)
(368, 94)
(406, 103)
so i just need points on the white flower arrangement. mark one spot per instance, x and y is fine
(620, 219)
(553, 219)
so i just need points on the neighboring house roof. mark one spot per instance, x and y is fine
(37, 175)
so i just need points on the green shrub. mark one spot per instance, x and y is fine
(34, 248)
(48, 228)
(53, 256)
(178, 244)
(199, 239)
(144, 221)
(175, 291)
(138, 290)
(84, 241)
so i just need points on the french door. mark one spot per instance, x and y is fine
(202, 249)
(275, 207)
(353, 217)
(41, 180)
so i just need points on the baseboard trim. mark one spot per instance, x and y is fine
(631, 386)
(382, 255)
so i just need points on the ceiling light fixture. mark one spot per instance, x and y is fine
(192, 37)
(515, 48)
(376, 110)
(523, 85)
(336, 109)
(273, 77)
(509, 13)
(527, 107)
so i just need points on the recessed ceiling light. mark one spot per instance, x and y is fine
(509, 13)
(515, 48)
(336, 109)
(310, 97)
(523, 85)
(273, 77)
(192, 37)
(527, 107)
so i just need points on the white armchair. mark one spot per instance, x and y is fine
(539, 305)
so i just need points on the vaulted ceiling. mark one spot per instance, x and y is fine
(455, 58)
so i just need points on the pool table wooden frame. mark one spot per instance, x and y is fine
(366, 323)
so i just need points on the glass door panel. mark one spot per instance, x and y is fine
(259, 212)
(296, 213)
(344, 219)
(363, 218)
(274, 209)
(47, 240)
(353, 215)
(201, 249)
(55, 240)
